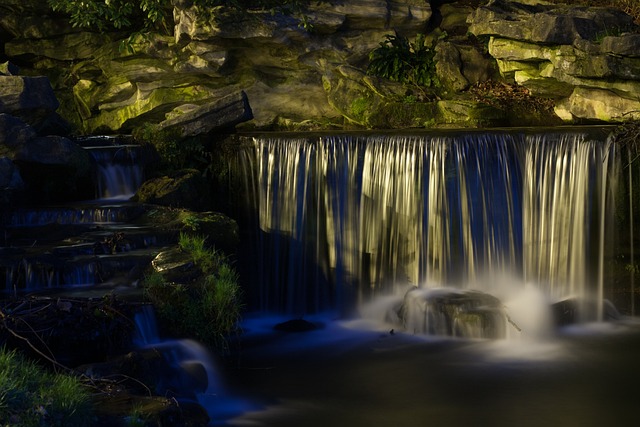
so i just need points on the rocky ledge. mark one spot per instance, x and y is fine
(260, 70)
(586, 59)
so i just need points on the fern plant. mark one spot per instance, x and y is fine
(398, 59)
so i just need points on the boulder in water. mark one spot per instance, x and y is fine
(452, 312)
(570, 311)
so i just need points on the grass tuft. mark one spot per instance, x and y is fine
(31, 396)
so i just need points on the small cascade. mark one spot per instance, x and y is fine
(347, 218)
(68, 215)
(119, 166)
(192, 367)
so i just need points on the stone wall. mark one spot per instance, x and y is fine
(588, 60)
(262, 70)
(269, 58)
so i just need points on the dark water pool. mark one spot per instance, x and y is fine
(349, 374)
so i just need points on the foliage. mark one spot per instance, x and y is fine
(403, 61)
(207, 259)
(105, 15)
(208, 310)
(31, 396)
(192, 222)
(146, 15)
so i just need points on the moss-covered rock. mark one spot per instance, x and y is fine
(185, 189)
(67, 47)
(142, 107)
(584, 58)
(466, 113)
(598, 104)
(400, 115)
(219, 230)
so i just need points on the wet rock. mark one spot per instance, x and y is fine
(55, 168)
(452, 312)
(219, 230)
(14, 133)
(141, 371)
(571, 311)
(176, 266)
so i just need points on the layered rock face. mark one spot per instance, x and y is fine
(31, 158)
(268, 60)
(217, 70)
(588, 59)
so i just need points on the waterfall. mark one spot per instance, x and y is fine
(344, 218)
(119, 170)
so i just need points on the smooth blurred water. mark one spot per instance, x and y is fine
(357, 374)
(338, 220)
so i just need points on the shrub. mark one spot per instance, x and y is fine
(31, 396)
(145, 15)
(109, 14)
(402, 61)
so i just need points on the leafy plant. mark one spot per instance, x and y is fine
(403, 61)
(147, 15)
(191, 222)
(105, 15)
(208, 310)
(31, 396)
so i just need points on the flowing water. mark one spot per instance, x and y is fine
(405, 252)
(119, 166)
(346, 218)
(401, 249)
(48, 248)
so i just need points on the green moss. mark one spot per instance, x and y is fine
(396, 115)
(154, 104)
(359, 107)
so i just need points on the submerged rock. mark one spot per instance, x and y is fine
(571, 311)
